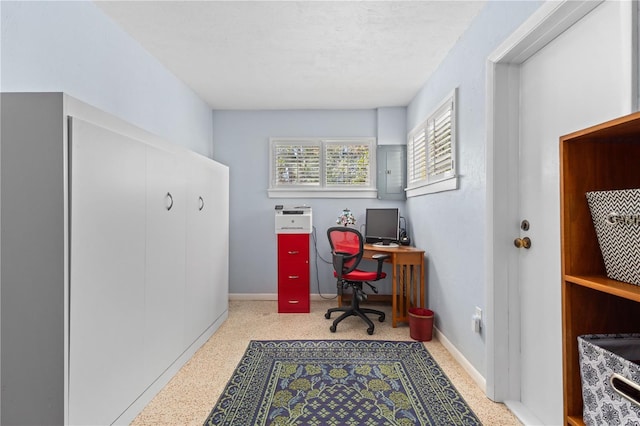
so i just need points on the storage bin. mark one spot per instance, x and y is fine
(610, 377)
(616, 217)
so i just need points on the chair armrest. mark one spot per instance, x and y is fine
(380, 258)
(338, 263)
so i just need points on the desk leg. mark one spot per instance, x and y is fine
(402, 311)
(415, 291)
(409, 288)
(394, 297)
(422, 283)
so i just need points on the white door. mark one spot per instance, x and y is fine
(165, 259)
(200, 291)
(220, 223)
(579, 79)
(107, 266)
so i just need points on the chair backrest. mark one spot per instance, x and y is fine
(347, 248)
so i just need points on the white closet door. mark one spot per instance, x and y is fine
(165, 273)
(107, 267)
(220, 255)
(201, 241)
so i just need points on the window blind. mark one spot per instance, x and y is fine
(431, 148)
(297, 164)
(319, 164)
(440, 141)
(417, 155)
(347, 164)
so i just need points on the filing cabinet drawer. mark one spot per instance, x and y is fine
(294, 300)
(293, 247)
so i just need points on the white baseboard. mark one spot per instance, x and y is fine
(464, 363)
(273, 296)
(522, 413)
(253, 296)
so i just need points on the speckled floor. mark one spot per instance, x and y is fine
(191, 394)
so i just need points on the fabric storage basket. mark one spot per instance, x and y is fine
(610, 377)
(616, 217)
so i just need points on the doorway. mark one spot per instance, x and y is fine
(571, 65)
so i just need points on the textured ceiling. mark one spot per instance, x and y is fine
(298, 54)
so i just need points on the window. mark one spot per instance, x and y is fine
(431, 152)
(322, 167)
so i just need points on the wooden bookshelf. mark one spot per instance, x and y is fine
(602, 157)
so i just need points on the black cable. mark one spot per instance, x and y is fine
(315, 246)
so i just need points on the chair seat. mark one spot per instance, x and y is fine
(358, 275)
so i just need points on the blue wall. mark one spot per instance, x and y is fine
(451, 225)
(241, 139)
(73, 47)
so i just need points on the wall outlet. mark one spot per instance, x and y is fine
(476, 321)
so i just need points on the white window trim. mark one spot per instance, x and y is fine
(293, 191)
(447, 183)
(432, 188)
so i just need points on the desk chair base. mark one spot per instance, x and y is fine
(355, 310)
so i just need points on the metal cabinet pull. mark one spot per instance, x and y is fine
(200, 203)
(294, 277)
(169, 201)
(293, 252)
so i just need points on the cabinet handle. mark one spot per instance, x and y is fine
(294, 277)
(293, 302)
(293, 252)
(169, 201)
(200, 203)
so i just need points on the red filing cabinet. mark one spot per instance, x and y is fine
(293, 273)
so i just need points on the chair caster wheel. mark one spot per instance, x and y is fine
(381, 319)
(370, 331)
(327, 315)
(333, 329)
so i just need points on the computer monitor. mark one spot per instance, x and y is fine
(382, 226)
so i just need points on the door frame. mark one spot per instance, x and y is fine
(503, 81)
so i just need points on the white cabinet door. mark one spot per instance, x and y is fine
(220, 222)
(202, 242)
(107, 273)
(165, 260)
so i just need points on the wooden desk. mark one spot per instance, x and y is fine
(405, 291)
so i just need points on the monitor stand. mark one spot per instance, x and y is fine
(390, 245)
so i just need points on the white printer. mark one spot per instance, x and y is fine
(293, 220)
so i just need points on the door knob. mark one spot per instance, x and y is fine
(522, 242)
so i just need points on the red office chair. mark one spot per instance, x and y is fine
(347, 248)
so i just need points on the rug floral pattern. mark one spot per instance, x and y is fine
(339, 382)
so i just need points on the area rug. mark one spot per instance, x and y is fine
(339, 382)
